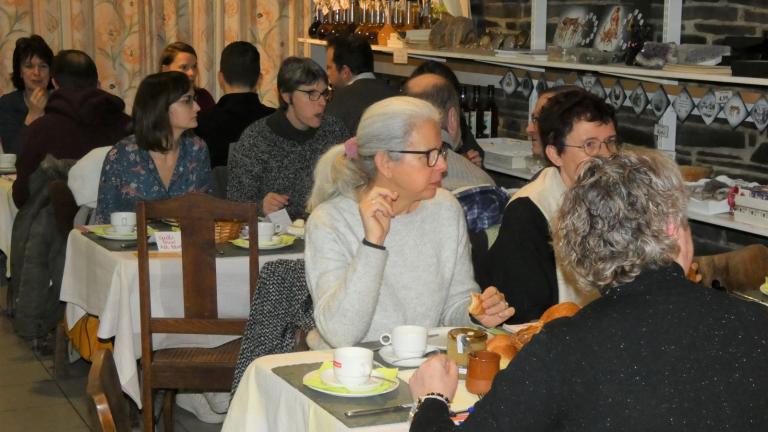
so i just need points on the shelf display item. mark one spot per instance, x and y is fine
(735, 110)
(638, 99)
(509, 83)
(576, 27)
(610, 35)
(759, 113)
(617, 96)
(659, 102)
(526, 85)
(708, 107)
(683, 105)
(597, 89)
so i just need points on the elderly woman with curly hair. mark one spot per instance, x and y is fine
(654, 352)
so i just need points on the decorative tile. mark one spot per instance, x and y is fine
(759, 113)
(509, 83)
(559, 82)
(683, 105)
(617, 96)
(638, 99)
(598, 90)
(526, 85)
(541, 84)
(735, 110)
(659, 102)
(708, 107)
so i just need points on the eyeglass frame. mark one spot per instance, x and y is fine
(188, 99)
(612, 141)
(315, 95)
(441, 151)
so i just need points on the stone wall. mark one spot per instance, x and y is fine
(740, 152)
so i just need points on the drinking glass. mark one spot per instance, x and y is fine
(483, 367)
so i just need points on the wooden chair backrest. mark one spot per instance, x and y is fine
(197, 214)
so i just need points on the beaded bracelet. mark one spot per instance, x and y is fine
(433, 395)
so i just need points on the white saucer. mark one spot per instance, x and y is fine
(7, 169)
(388, 354)
(367, 389)
(110, 234)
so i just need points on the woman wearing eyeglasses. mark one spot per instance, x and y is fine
(272, 162)
(386, 245)
(574, 126)
(163, 158)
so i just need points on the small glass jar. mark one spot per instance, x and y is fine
(462, 341)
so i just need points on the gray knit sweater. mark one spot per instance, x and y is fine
(272, 156)
(424, 277)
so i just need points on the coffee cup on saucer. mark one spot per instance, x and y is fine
(123, 222)
(407, 341)
(352, 366)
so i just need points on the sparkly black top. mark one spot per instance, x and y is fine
(657, 354)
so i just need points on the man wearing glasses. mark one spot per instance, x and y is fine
(574, 126)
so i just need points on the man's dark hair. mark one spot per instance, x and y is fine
(151, 121)
(352, 51)
(563, 110)
(240, 64)
(26, 48)
(438, 68)
(440, 94)
(74, 69)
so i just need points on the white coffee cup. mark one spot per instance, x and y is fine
(265, 231)
(407, 341)
(7, 160)
(352, 366)
(123, 222)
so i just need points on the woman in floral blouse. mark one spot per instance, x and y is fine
(163, 158)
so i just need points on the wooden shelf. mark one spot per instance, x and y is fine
(528, 61)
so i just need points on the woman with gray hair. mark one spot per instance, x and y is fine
(386, 245)
(272, 161)
(654, 352)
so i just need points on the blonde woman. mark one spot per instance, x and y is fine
(385, 244)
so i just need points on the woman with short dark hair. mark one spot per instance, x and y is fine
(181, 57)
(272, 162)
(575, 126)
(163, 158)
(32, 59)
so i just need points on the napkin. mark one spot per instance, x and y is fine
(102, 230)
(314, 380)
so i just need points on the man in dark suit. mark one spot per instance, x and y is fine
(239, 72)
(349, 63)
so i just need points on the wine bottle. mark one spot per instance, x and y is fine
(463, 103)
(472, 109)
(488, 116)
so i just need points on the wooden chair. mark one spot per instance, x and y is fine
(198, 369)
(108, 401)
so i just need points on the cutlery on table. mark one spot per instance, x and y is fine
(425, 355)
(384, 410)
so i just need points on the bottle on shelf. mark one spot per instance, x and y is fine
(464, 103)
(425, 14)
(337, 24)
(387, 29)
(312, 31)
(488, 116)
(325, 26)
(362, 28)
(472, 110)
(352, 18)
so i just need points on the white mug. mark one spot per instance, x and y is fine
(123, 222)
(265, 231)
(7, 160)
(407, 341)
(352, 366)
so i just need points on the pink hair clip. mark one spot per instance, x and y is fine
(350, 148)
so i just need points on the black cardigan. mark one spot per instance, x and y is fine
(656, 354)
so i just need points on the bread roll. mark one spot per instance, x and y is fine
(559, 310)
(476, 306)
(505, 345)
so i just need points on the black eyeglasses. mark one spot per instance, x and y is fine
(431, 154)
(314, 95)
(592, 147)
(188, 99)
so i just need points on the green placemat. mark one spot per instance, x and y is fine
(336, 405)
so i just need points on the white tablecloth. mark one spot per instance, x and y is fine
(8, 212)
(106, 284)
(266, 402)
